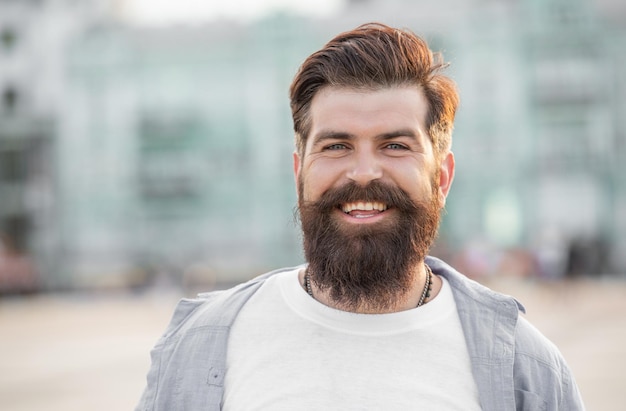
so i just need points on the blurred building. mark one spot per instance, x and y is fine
(33, 37)
(178, 149)
(132, 154)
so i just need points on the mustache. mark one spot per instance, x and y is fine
(392, 196)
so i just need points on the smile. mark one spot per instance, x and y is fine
(363, 208)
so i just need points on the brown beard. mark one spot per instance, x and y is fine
(368, 265)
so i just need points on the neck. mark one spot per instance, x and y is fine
(406, 300)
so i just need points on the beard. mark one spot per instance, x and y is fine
(367, 265)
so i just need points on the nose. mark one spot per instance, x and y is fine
(364, 168)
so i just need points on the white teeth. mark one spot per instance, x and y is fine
(363, 206)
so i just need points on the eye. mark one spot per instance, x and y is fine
(336, 146)
(396, 146)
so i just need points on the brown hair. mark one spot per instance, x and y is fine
(371, 57)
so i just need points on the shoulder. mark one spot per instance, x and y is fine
(493, 314)
(494, 324)
(531, 343)
(216, 308)
(541, 368)
(469, 294)
(537, 356)
(476, 298)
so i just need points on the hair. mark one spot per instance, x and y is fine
(374, 56)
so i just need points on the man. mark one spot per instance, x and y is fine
(370, 322)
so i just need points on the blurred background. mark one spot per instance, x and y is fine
(145, 154)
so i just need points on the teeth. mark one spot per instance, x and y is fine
(363, 206)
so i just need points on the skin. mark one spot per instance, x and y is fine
(373, 135)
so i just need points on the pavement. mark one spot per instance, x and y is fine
(90, 351)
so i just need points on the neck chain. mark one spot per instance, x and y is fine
(428, 286)
(307, 283)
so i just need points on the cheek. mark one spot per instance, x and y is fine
(418, 185)
(316, 178)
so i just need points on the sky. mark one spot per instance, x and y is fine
(163, 12)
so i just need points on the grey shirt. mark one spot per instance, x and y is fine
(514, 366)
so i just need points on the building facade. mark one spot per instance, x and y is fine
(130, 155)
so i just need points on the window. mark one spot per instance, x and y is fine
(169, 157)
(9, 99)
(8, 38)
(16, 230)
(13, 167)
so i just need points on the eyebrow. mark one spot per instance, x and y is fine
(340, 135)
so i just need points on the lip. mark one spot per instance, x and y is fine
(363, 216)
(364, 206)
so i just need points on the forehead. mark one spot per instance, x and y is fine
(357, 111)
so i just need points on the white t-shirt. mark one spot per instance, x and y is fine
(287, 351)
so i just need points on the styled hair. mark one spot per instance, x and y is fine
(371, 57)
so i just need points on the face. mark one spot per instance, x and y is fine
(364, 136)
(370, 191)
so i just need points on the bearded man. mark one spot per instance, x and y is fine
(370, 321)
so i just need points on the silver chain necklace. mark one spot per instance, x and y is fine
(428, 285)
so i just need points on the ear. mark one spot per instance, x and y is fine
(296, 167)
(446, 175)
